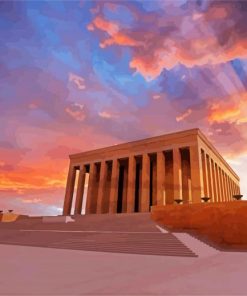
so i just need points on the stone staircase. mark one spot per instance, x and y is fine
(117, 233)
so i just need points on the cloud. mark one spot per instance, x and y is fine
(78, 81)
(232, 109)
(76, 111)
(184, 115)
(214, 36)
(113, 30)
(105, 114)
(219, 114)
(35, 200)
(100, 23)
(156, 97)
(83, 97)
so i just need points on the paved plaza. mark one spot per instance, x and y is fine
(94, 256)
(47, 271)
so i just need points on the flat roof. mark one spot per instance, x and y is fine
(136, 142)
(194, 131)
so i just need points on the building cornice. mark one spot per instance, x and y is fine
(136, 143)
(167, 137)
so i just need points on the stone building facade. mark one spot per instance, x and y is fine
(134, 176)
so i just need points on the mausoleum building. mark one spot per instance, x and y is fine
(134, 176)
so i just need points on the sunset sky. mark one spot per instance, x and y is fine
(79, 75)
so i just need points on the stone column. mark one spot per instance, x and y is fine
(145, 198)
(221, 185)
(102, 180)
(210, 178)
(205, 173)
(125, 187)
(154, 181)
(226, 187)
(215, 193)
(233, 185)
(91, 189)
(131, 185)
(190, 191)
(114, 187)
(177, 174)
(229, 188)
(196, 174)
(160, 177)
(233, 192)
(69, 191)
(234, 188)
(185, 168)
(217, 182)
(80, 190)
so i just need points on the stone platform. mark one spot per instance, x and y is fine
(117, 233)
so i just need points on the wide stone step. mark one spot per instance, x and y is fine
(146, 243)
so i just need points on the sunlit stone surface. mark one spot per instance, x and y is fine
(134, 176)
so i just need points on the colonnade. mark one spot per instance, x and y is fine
(136, 182)
(217, 181)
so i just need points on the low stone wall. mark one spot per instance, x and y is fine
(8, 217)
(223, 223)
(57, 219)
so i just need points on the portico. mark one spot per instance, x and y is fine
(134, 176)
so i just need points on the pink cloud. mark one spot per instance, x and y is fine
(35, 200)
(113, 30)
(76, 111)
(105, 114)
(77, 80)
(110, 27)
(190, 40)
(184, 115)
(233, 109)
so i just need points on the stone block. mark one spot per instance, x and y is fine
(57, 219)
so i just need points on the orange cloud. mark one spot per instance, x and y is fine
(110, 27)
(224, 114)
(196, 52)
(35, 200)
(234, 109)
(151, 65)
(15, 181)
(119, 39)
(196, 45)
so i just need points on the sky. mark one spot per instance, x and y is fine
(81, 75)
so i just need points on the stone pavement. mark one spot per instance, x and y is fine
(45, 271)
(114, 255)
